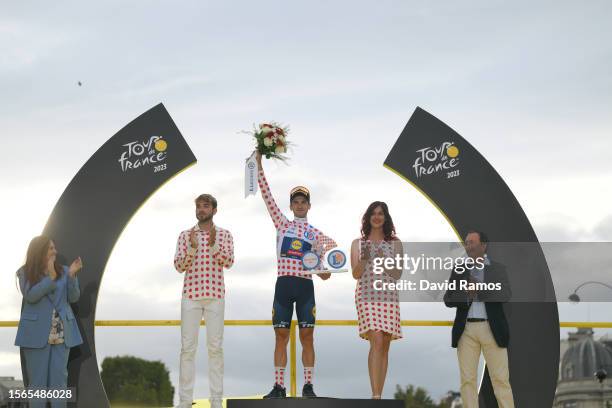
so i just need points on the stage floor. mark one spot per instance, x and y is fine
(256, 401)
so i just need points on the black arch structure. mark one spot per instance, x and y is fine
(471, 194)
(103, 196)
(93, 211)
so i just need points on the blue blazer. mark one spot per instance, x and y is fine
(38, 305)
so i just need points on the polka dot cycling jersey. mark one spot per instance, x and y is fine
(293, 238)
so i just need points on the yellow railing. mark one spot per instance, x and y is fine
(292, 330)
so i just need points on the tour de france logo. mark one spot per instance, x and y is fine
(151, 152)
(437, 159)
(336, 259)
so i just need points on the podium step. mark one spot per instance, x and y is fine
(313, 403)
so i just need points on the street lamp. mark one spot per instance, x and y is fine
(601, 376)
(574, 298)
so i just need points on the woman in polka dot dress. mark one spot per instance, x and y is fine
(378, 311)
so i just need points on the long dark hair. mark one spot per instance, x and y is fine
(36, 260)
(388, 227)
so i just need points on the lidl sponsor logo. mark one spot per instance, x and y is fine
(296, 244)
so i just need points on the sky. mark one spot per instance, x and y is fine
(527, 83)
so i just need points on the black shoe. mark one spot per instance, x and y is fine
(277, 392)
(308, 392)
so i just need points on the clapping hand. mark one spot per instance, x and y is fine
(365, 252)
(75, 267)
(192, 239)
(212, 236)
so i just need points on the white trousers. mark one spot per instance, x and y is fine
(192, 311)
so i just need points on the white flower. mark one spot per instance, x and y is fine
(281, 139)
(280, 149)
(267, 141)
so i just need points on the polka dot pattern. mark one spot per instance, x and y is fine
(289, 266)
(377, 310)
(279, 376)
(204, 269)
(308, 373)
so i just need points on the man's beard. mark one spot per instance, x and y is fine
(203, 218)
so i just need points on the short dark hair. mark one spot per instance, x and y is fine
(481, 235)
(207, 198)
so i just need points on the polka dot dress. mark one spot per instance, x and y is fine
(377, 310)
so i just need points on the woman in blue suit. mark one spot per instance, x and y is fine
(47, 327)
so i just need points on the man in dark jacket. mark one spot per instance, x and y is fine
(480, 323)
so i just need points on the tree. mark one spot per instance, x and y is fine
(414, 397)
(451, 396)
(136, 381)
(418, 397)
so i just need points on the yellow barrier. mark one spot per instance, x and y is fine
(292, 330)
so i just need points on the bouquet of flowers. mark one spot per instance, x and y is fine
(271, 140)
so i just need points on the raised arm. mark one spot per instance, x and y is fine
(74, 291)
(278, 218)
(38, 291)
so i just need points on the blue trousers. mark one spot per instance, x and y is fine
(47, 367)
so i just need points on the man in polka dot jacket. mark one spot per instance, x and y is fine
(293, 285)
(201, 253)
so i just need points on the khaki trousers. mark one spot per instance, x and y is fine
(478, 337)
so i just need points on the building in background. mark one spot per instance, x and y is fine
(6, 384)
(582, 356)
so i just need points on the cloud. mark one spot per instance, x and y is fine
(528, 86)
(26, 44)
(603, 231)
